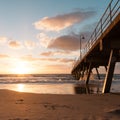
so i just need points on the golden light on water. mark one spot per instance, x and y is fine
(20, 87)
(40, 88)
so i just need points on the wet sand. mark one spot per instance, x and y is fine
(29, 106)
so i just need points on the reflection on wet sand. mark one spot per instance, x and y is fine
(54, 88)
(86, 89)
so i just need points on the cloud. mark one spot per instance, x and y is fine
(14, 44)
(4, 56)
(70, 42)
(53, 53)
(44, 39)
(67, 42)
(48, 64)
(58, 68)
(33, 59)
(29, 58)
(90, 27)
(3, 39)
(51, 59)
(62, 60)
(65, 60)
(62, 21)
(50, 53)
(30, 44)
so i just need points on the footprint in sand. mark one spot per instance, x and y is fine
(19, 101)
(55, 106)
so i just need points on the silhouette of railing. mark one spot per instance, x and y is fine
(108, 17)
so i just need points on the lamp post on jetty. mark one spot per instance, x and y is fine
(81, 38)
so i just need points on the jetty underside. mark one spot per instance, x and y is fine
(104, 52)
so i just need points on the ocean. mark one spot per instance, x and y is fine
(55, 84)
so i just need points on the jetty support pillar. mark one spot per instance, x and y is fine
(88, 74)
(110, 72)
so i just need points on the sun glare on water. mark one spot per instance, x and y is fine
(20, 87)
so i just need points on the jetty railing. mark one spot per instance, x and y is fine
(108, 17)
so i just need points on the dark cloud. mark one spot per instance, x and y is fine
(65, 43)
(69, 42)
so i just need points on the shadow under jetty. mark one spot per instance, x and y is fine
(87, 89)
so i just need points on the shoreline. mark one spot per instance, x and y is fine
(32, 106)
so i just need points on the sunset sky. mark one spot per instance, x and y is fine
(42, 36)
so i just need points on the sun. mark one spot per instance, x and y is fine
(21, 68)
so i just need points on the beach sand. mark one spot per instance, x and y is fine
(29, 106)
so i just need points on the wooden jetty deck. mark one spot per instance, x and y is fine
(103, 47)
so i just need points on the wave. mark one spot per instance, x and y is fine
(49, 78)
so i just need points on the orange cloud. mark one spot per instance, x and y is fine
(47, 53)
(63, 21)
(32, 59)
(53, 53)
(4, 56)
(14, 44)
(3, 39)
(65, 60)
(58, 68)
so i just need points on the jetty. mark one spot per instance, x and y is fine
(102, 49)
